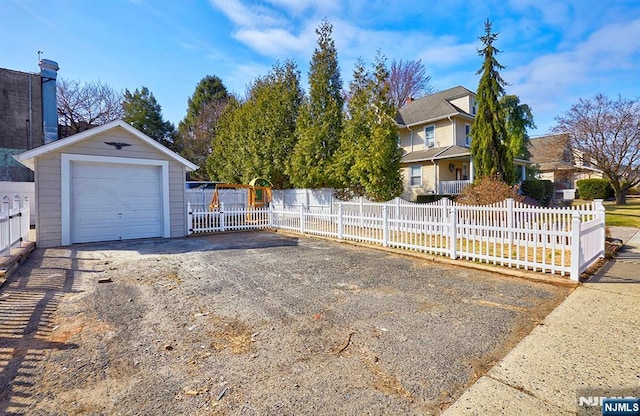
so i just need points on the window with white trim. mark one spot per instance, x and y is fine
(415, 175)
(430, 136)
(473, 106)
(467, 134)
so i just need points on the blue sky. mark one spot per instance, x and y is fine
(555, 51)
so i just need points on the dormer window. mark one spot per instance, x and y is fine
(430, 136)
(473, 106)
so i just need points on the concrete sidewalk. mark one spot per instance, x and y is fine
(591, 341)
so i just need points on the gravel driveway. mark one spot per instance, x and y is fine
(254, 323)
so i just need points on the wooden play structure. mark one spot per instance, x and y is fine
(258, 193)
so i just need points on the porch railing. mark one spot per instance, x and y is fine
(452, 187)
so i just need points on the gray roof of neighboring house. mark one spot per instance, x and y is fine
(436, 153)
(549, 152)
(432, 107)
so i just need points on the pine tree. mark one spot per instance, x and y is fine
(319, 124)
(367, 162)
(143, 112)
(489, 133)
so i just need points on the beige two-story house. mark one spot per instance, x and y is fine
(434, 133)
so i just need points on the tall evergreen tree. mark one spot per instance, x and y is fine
(367, 161)
(228, 148)
(143, 112)
(319, 124)
(489, 132)
(261, 131)
(518, 119)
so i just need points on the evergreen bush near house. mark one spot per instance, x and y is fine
(540, 190)
(589, 189)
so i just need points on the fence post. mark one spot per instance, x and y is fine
(301, 218)
(385, 226)
(510, 221)
(600, 214)
(222, 218)
(453, 233)
(189, 219)
(361, 213)
(340, 221)
(17, 207)
(445, 207)
(6, 207)
(271, 222)
(26, 218)
(575, 246)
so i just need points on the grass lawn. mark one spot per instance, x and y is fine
(623, 215)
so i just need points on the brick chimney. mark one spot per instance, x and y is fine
(409, 100)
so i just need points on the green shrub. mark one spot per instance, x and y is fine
(540, 190)
(589, 189)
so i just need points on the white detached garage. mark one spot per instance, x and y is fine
(111, 182)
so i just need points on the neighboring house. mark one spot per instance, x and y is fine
(434, 133)
(557, 162)
(111, 182)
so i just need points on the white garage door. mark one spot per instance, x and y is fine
(115, 202)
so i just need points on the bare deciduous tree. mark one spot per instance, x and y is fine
(608, 133)
(408, 79)
(83, 106)
(203, 131)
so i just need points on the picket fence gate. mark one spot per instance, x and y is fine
(564, 241)
(14, 222)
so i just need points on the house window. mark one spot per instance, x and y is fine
(473, 106)
(467, 134)
(430, 136)
(415, 176)
(465, 172)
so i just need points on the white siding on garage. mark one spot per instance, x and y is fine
(115, 202)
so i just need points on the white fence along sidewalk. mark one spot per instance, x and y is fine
(564, 241)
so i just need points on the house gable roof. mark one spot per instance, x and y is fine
(27, 158)
(433, 107)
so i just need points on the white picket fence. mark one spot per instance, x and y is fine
(14, 222)
(564, 241)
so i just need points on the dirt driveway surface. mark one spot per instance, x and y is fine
(251, 324)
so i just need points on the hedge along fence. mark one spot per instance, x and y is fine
(563, 241)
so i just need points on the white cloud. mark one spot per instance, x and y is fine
(276, 43)
(252, 16)
(449, 55)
